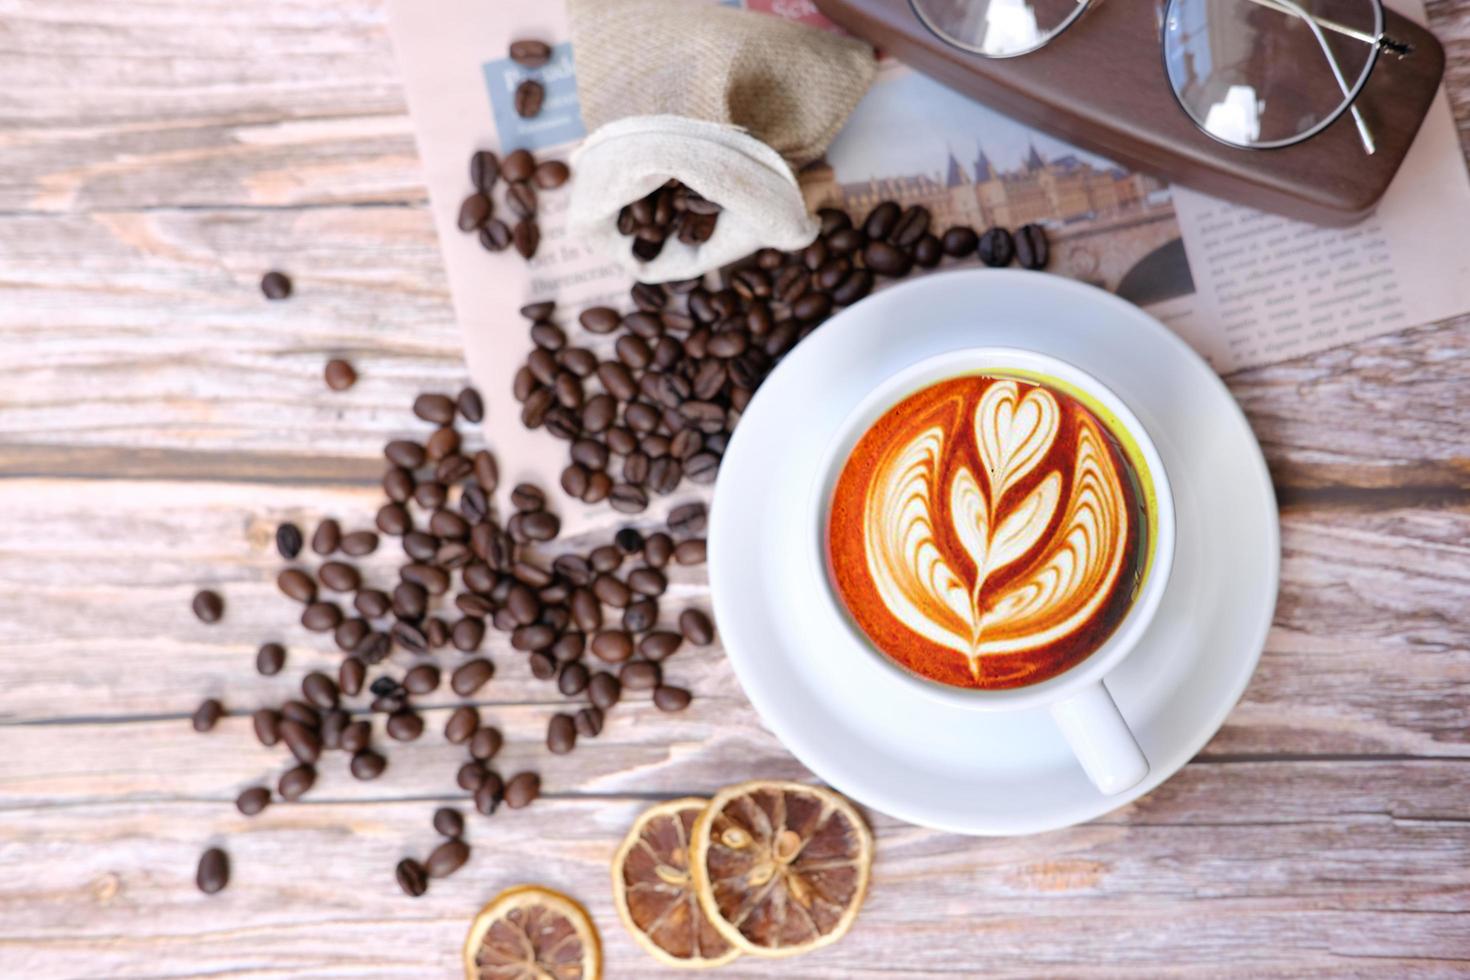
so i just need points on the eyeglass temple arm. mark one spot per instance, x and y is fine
(1315, 25)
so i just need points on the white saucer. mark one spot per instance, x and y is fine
(909, 755)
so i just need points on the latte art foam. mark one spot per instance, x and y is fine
(987, 532)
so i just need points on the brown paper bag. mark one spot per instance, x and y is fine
(728, 102)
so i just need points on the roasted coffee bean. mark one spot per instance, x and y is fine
(611, 590)
(405, 453)
(664, 475)
(696, 627)
(339, 576)
(447, 821)
(359, 543)
(530, 54)
(572, 679)
(301, 713)
(410, 600)
(522, 604)
(639, 675)
(589, 453)
(484, 170)
(436, 631)
(442, 444)
(912, 226)
(702, 467)
(304, 743)
(411, 877)
(431, 578)
(959, 241)
(386, 687)
(857, 285)
(270, 658)
(467, 634)
(561, 734)
(635, 470)
(668, 698)
(207, 715)
(351, 675)
(208, 606)
(586, 610)
(410, 637)
(489, 794)
(421, 679)
(485, 743)
(321, 617)
(578, 360)
(881, 220)
(393, 519)
(474, 211)
(886, 259)
(689, 519)
(470, 676)
(589, 722)
(600, 319)
(447, 858)
(542, 664)
(691, 552)
(659, 645)
(551, 174)
(604, 690)
(448, 524)
(367, 764)
(462, 725)
(996, 248)
(522, 790)
(357, 736)
(612, 646)
(640, 615)
(633, 351)
(647, 581)
(333, 724)
(527, 497)
(398, 484)
(253, 800)
(405, 726)
(214, 871)
(470, 776)
(350, 633)
(487, 473)
(275, 285)
(657, 549)
(419, 546)
(521, 199)
(927, 252)
(526, 237)
(528, 638)
(628, 499)
(471, 406)
(339, 376)
(599, 485)
(846, 241)
(319, 689)
(496, 236)
(518, 165)
(296, 783)
(434, 407)
(288, 540)
(1032, 248)
(540, 525)
(267, 724)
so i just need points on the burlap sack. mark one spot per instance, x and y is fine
(726, 101)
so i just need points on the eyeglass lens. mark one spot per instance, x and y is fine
(999, 28)
(1258, 73)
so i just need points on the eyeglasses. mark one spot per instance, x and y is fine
(1256, 74)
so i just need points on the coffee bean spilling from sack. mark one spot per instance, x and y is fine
(524, 178)
(671, 211)
(464, 570)
(660, 406)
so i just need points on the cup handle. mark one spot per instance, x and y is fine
(1101, 739)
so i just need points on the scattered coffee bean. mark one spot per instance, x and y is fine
(207, 715)
(275, 285)
(270, 658)
(561, 734)
(997, 248)
(356, 736)
(551, 174)
(470, 676)
(485, 743)
(589, 722)
(470, 405)
(267, 724)
(470, 776)
(253, 800)
(691, 552)
(448, 822)
(604, 690)
(474, 211)
(359, 543)
(659, 645)
(367, 764)
(208, 606)
(214, 871)
(667, 698)
(405, 726)
(288, 540)
(463, 724)
(530, 54)
(696, 627)
(296, 584)
(489, 793)
(1032, 249)
(305, 744)
(411, 877)
(321, 617)
(639, 675)
(422, 679)
(296, 783)
(529, 96)
(319, 689)
(522, 790)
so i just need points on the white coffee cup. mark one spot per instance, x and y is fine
(1078, 697)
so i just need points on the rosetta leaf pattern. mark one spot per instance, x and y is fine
(1074, 561)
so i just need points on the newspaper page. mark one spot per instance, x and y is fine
(1242, 287)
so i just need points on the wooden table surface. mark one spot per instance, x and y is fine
(158, 418)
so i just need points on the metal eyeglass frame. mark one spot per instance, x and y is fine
(1376, 40)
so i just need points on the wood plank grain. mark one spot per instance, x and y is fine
(1272, 869)
(1369, 653)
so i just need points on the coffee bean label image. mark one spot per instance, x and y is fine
(988, 532)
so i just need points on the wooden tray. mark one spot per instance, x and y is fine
(1101, 85)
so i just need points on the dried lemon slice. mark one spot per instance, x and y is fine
(654, 891)
(532, 933)
(780, 868)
